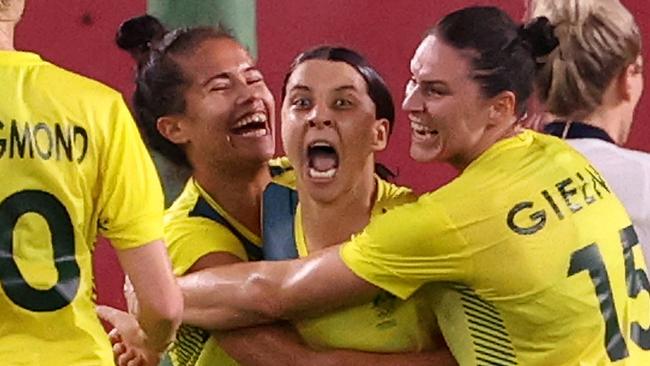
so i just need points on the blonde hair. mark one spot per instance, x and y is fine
(597, 39)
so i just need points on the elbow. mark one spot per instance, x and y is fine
(268, 298)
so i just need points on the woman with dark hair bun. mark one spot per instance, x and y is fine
(202, 104)
(137, 35)
(527, 251)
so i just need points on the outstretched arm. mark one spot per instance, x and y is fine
(245, 294)
(394, 251)
(280, 343)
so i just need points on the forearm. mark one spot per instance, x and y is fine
(280, 344)
(275, 344)
(159, 328)
(159, 298)
(246, 294)
(225, 297)
(354, 358)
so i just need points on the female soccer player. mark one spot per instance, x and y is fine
(592, 84)
(203, 105)
(202, 102)
(529, 248)
(74, 166)
(336, 114)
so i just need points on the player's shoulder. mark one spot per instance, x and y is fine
(59, 77)
(183, 204)
(282, 172)
(612, 158)
(390, 195)
(641, 158)
(192, 214)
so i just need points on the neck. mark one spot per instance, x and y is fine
(7, 35)
(491, 136)
(329, 223)
(238, 191)
(608, 120)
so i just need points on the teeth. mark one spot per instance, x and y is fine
(255, 133)
(313, 173)
(422, 129)
(256, 117)
(320, 143)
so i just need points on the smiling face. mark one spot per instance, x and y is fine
(329, 128)
(447, 112)
(229, 112)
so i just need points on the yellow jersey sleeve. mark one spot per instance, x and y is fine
(398, 253)
(191, 238)
(533, 259)
(130, 194)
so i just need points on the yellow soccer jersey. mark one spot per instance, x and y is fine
(545, 265)
(386, 324)
(195, 226)
(74, 166)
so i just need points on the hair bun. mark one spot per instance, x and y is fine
(138, 33)
(539, 36)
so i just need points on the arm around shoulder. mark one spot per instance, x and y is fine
(253, 293)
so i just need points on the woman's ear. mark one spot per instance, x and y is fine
(627, 81)
(171, 127)
(381, 130)
(502, 106)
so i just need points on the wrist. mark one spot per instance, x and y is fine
(158, 346)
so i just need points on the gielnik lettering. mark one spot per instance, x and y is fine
(567, 197)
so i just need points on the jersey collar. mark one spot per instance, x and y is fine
(576, 130)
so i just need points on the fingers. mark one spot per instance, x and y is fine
(117, 318)
(130, 297)
(127, 338)
(126, 358)
(119, 349)
(136, 362)
(114, 336)
(109, 314)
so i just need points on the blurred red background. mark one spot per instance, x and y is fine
(78, 34)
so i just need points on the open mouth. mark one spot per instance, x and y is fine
(422, 130)
(251, 125)
(323, 160)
